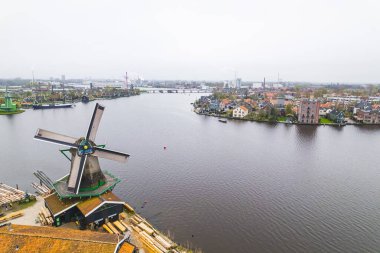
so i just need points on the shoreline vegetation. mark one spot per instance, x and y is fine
(11, 112)
(17, 100)
(324, 121)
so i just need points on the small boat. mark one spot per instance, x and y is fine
(85, 99)
(51, 106)
(223, 120)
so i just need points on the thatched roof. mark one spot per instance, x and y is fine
(54, 240)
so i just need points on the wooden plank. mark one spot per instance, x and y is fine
(122, 216)
(41, 220)
(134, 221)
(137, 229)
(45, 212)
(147, 229)
(128, 207)
(163, 242)
(137, 218)
(123, 223)
(11, 216)
(120, 226)
(107, 229)
(153, 242)
(112, 228)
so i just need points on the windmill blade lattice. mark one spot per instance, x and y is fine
(77, 167)
(95, 121)
(60, 139)
(110, 154)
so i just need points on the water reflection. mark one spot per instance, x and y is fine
(368, 128)
(337, 128)
(306, 133)
(10, 119)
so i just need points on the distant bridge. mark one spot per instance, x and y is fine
(174, 90)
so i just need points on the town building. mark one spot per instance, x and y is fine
(278, 102)
(214, 105)
(336, 116)
(238, 83)
(308, 111)
(323, 112)
(362, 105)
(20, 238)
(368, 116)
(240, 112)
(249, 103)
(223, 105)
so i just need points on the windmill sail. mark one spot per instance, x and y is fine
(77, 167)
(60, 139)
(110, 154)
(95, 121)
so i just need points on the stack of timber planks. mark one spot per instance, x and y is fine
(45, 186)
(154, 240)
(42, 189)
(11, 216)
(45, 217)
(9, 194)
(116, 227)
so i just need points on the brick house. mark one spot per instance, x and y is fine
(308, 111)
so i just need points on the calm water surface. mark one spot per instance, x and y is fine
(235, 187)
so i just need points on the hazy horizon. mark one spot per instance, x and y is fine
(320, 41)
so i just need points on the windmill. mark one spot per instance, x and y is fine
(85, 173)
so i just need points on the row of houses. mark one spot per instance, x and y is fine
(367, 113)
(308, 111)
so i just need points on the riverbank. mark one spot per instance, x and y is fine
(148, 238)
(284, 122)
(11, 112)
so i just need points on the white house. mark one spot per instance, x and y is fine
(240, 112)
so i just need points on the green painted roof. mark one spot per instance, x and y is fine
(61, 187)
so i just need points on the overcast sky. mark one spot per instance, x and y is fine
(320, 40)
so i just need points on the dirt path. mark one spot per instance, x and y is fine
(30, 214)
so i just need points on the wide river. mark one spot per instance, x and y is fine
(235, 187)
